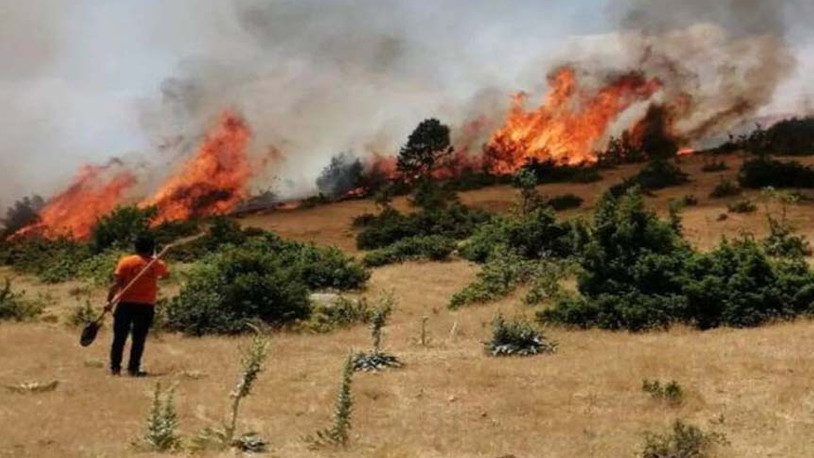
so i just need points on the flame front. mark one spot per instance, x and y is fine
(74, 212)
(568, 125)
(214, 181)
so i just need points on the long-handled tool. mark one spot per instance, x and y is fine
(92, 329)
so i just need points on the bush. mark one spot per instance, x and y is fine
(683, 441)
(265, 279)
(14, 306)
(455, 221)
(550, 171)
(565, 202)
(660, 173)
(788, 137)
(432, 247)
(714, 166)
(82, 315)
(764, 172)
(783, 243)
(725, 188)
(341, 314)
(120, 228)
(53, 261)
(517, 338)
(742, 206)
(98, 269)
(501, 274)
(532, 236)
(689, 200)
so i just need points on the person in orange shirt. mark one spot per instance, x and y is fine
(136, 307)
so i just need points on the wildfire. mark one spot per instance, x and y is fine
(568, 125)
(74, 212)
(214, 181)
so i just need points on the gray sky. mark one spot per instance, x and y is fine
(82, 79)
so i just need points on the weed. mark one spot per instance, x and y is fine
(338, 434)
(14, 305)
(671, 392)
(725, 188)
(82, 315)
(742, 206)
(683, 441)
(377, 359)
(162, 423)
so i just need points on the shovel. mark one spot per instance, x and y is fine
(92, 329)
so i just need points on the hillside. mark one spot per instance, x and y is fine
(450, 400)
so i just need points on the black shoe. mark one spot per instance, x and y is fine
(115, 372)
(136, 373)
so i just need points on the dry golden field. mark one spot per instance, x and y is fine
(450, 400)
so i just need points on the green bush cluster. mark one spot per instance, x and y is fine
(788, 137)
(264, 279)
(550, 171)
(638, 273)
(763, 172)
(53, 261)
(517, 338)
(532, 236)
(431, 247)
(455, 221)
(670, 392)
(502, 273)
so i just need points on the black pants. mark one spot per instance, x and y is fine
(130, 317)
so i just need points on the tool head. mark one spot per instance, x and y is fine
(89, 333)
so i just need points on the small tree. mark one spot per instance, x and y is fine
(525, 181)
(343, 174)
(338, 434)
(24, 212)
(428, 143)
(121, 227)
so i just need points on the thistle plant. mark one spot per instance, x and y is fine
(252, 359)
(377, 359)
(338, 434)
(517, 338)
(162, 423)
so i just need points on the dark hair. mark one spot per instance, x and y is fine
(145, 245)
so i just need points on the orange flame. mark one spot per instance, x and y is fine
(74, 212)
(214, 181)
(567, 127)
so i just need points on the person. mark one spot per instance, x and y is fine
(136, 306)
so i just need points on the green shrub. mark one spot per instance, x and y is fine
(763, 172)
(517, 338)
(503, 272)
(14, 305)
(98, 269)
(742, 206)
(714, 166)
(343, 313)
(120, 228)
(550, 171)
(788, 137)
(53, 261)
(725, 188)
(455, 221)
(432, 247)
(683, 441)
(738, 285)
(265, 278)
(532, 236)
(660, 173)
(783, 243)
(565, 202)
(670, 392)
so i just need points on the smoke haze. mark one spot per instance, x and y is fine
(86, 80)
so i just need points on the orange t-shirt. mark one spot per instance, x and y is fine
(145, 289)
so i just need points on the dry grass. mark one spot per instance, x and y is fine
(451, 400)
